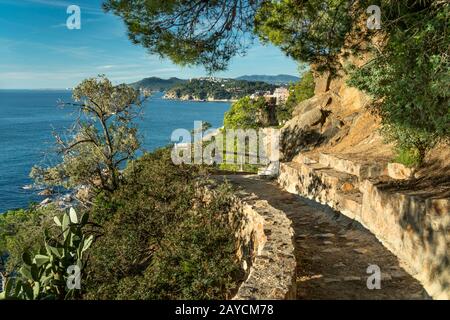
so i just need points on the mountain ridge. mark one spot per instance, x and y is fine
(280, 79)
(161, 84)
(156, 83)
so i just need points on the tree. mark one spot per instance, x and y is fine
(313, 31)
(298, 92)
(407, 75)
(189, 32)
(409, 78)
(210, 33)
(243, 114)
(102, 139)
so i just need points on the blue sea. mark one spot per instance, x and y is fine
(28, 118)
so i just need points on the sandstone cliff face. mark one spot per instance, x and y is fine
(336, 119)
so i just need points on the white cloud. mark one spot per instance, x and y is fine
(106, 67)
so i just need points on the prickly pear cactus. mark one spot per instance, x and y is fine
(47, 275)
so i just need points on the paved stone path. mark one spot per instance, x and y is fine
(332, 251)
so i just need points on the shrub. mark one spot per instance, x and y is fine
(23, 230)
(161, 239)
(409, 79)
(411, 144)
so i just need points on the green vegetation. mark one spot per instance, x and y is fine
(189, 33)
(247, 113)
(243, 114)
(210, 33)
(299, 92)
(407, 75)
(408, 157)
(152, 230)
(228, 89)
(103, 138)
(308, 31)
(411, 144)
(410, 79)
(156, 84)
(45, 275)
(22, 230)
(159, 235)
(162, 239)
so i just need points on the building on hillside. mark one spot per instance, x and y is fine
(258, 94)
(281, 94)
(211, 79)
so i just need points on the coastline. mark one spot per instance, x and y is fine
(200, 100)
(170, 95)
(39, 110)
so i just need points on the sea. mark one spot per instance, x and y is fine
(29, 117)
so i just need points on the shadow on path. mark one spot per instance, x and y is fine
(333, 252)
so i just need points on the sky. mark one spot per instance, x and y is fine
(38, 51)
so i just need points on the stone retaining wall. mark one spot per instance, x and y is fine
(416, 230)
(413, 227)
(266, 249)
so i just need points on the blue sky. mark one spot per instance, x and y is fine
(37, 50)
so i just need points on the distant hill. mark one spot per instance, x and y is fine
(215, 89)
(157, 84)
(277, 80)
(218, 88)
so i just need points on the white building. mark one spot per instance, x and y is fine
(281, 94)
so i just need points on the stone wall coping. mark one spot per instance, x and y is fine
(272, 273)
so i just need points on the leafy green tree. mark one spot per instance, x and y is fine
(409, 79)
(102, 140)
(313, 31)
(189, 32)
(298, 92)
(243, 114)
(210, 33)
(302, 90)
